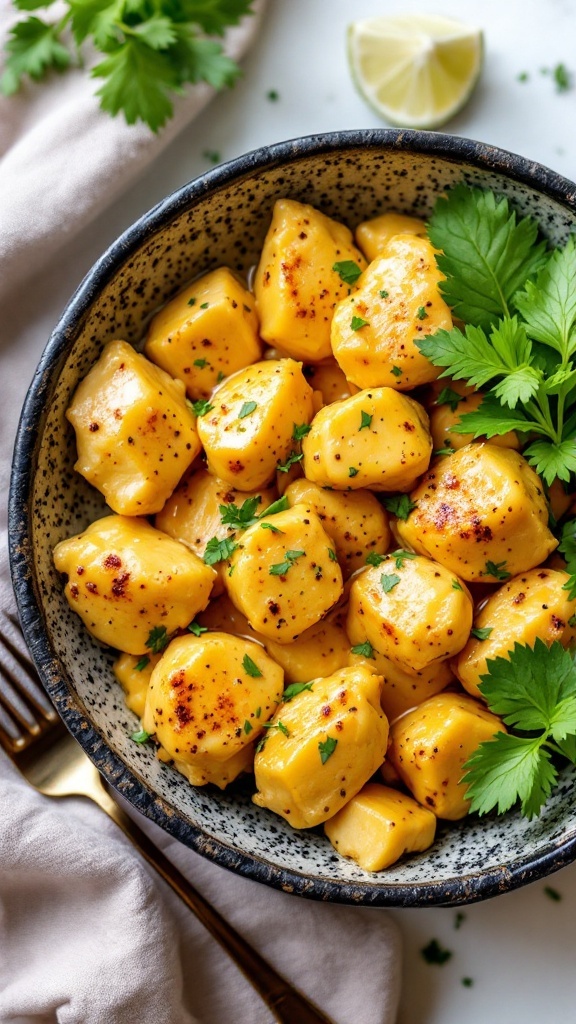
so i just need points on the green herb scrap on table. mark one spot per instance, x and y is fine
(150, 50)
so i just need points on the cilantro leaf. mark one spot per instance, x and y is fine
(294, 689)
(365, 649)
(195, 628)
(534, 688)
(388, 581)
(33, 49)
(496, 569)
(292, 460)
(548, 304)
(506, 769)
(348, 271)
(158, 639)
(357, 323)
(481, 632)
(327, 748)
(282, 568)
(490, 419)
(567, 547)
(400, 557)
(473, 356)
(141, 736)
(142, 663)
(138, 80)
(552, 460)
(219, 550)
(280, 505)
(399, 505)
(250, 667)
(534, 691)
(246, 409)
(238, 518)
(487, 254)
(300, 430)
(375, 559)
(449, 397)
(365, 420)
(150, 50)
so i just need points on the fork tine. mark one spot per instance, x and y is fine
(16, 667)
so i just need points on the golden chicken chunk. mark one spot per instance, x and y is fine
(192, 513)
(327, 378)
(401, 691)
(208, 700)
(249, 427)
(534, 604)
(284, 575)
(321, 747)
(376, 439)
(319, 651)
(396, 303)
(208, 331)
(135, 434)
(126, 579)
(296, 284)
(133, 672)
(430, 745)
(482, 513)
(355, 520)
(378, 825)
(411, 610)
(372, 236)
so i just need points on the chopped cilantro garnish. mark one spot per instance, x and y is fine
(200, 363)
(282, 568)
(352, 471)
(327, 748)
(140, 665)
(481, 632)
(246, 409)
(250, 667)
(158, 639)
(365, 420)
(300, 430)
(294, 689)
(399, 505)
(292, 459)
(365, 649)
(195, 628)
(219, 550)
(388, 581)
(141, 736)
(375, 559)
(202, 406)
(349, 272)
(357, 323)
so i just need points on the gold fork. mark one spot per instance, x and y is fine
(49, 757)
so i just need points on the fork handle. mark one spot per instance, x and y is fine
(287, 1004)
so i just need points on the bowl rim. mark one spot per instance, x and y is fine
(452, 892)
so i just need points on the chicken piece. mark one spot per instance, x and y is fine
(482, 513)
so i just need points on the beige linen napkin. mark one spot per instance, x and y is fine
(88, 932)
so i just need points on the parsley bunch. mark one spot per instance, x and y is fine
(533, 690)
(517, 300)
(151, 49)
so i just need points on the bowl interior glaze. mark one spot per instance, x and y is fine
(222, 218)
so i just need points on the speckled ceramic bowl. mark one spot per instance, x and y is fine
(222, 218)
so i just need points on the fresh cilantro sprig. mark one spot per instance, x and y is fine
(567, 547)
(533, 690)
(518, 302)
(150, 50)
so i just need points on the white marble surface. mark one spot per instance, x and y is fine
(518, 948)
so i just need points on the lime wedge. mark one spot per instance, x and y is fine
(415, 70)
